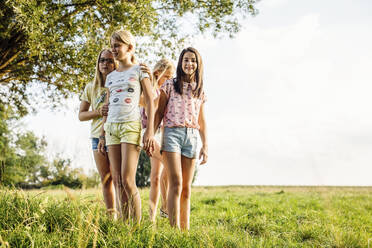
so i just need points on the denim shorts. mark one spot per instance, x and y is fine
(95, 142)
(182, 140)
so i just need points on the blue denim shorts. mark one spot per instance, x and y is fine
(182, 140)
(95, 142)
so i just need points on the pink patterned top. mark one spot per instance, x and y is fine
(182, 110)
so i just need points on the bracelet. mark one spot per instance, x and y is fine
(102, 137)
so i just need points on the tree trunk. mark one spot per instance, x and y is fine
(2, 168)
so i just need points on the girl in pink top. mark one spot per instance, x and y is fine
(181, 107)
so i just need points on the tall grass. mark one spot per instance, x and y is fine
(220, 217)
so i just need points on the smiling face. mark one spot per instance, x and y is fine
(189, 64)
(106, 63)
(168, 74)
(120, 50)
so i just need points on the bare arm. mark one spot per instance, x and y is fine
(85, 114)
(142, 101)
(149, 103)
(203, 135)
(148, 137)
(162, 103)
(144, 69)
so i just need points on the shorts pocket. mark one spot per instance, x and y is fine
(133, 126)
(106, 127)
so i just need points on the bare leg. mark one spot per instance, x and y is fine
(188, 169)
(174, 170)
(115, 166)
(103, 167)
(156, 169)
(129, 161)
(164, 189)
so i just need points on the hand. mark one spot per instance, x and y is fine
(146, 69)
(148, 143)
(203, 154)
(101, 146)
(103, 111)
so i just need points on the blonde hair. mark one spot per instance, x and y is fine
(161, 67)
(98, 78)
(127, 38)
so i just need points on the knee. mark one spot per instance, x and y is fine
(116, 179)
(186, 192)
(129, 185)
(155, 181)
(176, 186)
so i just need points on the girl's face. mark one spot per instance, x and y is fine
(189, 64)
(168, 74)
(120, 50)
(106, 63)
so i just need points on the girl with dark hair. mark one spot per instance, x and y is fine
(181, 107)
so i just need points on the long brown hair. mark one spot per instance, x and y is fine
(178, 81)
(98, 77)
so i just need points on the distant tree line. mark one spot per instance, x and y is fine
(23, 161)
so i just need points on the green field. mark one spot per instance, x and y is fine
(220, 217)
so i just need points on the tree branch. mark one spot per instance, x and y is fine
(10, 60)
(76, 4)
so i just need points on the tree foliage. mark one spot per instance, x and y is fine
(22, 159)
(23, 162)
(54, 43)
(143, 170)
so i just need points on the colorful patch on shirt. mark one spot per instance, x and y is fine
(131, 90)
(119, 90)
(132, 79)
(127, 100)
(115, 99)
(101, 98)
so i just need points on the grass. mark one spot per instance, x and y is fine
(220, 217)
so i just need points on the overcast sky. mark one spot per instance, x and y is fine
(289, 99)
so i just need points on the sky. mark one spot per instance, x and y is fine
(289, 99)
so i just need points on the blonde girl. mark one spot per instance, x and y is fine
(181, 107)
(122, 128)
(91, 108)
(163, 70)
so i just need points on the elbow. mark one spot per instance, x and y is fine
(81, 118)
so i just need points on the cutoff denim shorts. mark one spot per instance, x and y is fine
(182, 140)
(95, 142)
